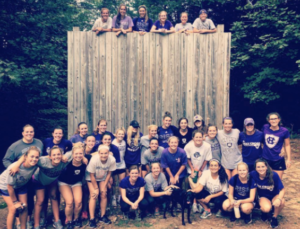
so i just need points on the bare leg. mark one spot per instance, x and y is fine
(24, 214)
(103, 194)
(54, 202)
(67, 194)
(92, 202)
(277, 210)
(77, 193)
(11, 212)
(40, 195)
(280, 173)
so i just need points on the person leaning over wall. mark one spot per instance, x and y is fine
(203, 24)
(142, 23)
(162, 25)
(104, 23)
(121, 22)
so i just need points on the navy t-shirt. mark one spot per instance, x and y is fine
(264, 189)
(64, 144)
(99, 137)
(164, 134)
(168, 25)
(183, 140)
(72, 174)
(132, 191)
(141, 25)
(133, 152)
(241, 191)
(251, 149)
(112, 148)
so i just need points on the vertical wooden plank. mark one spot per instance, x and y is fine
(152, 65)
(146, 82)
(177, 68)
(71, 127)
(115, 85)
(171, 78)
(96, 88)
(83, 74)
(126, 79)
(165, 105)
(196, 81)
(89, 79)
(183, 75)
(77, 93)
(214, 71)
(122, 87)
(227, 41)
(202, 74)
(208, 80)
(108, 80)
(158, 79)
(139, 59)
(190, 73)
(102, 77)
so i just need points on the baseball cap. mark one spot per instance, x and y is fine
(197, 118)
(248, 121)
(202, 11)
(134, 124)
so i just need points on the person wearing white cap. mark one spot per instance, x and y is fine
(251, 140)
(199, 123)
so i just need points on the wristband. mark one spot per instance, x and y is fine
(16, 201)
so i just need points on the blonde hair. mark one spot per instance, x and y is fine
(120, 129)
(102, 9)
(103, 147)
(129, 135)
(152, 126)
(172, 138)
(162, 12)
(146, 15)
(242, 163)
(78, 145)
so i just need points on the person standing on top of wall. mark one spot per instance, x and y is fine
(203, 24)
(162, 25)
(104, 23)
(184, 26)
(143, 23)
(166, 130)
(122, 23)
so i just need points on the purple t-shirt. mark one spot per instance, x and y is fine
(264, 189)
(132, 191)
(168, 25)
(164, 134)
(77, 138)
(98, 137)
(273, 142)
(174, 161)
(126, 22)
(241, 191)
(133, 152)
(64, 144)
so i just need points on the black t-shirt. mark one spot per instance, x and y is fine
(183, 140)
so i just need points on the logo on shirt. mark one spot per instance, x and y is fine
(77, 172)
(184, 140)
(48, 150)
(178, 160)
(271, 140)
(229, 144)
(255, 144)
(197, 154)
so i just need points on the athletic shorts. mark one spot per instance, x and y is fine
(70, 185)
(277, 165)
(129, 165)
(18, 191)
(119, 171)
(38, 186)
(144, 168)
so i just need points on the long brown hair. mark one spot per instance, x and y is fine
(269, 173)
(146, 15)
(118, 21)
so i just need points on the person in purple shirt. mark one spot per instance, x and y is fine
(162, 25)
(270, 191)
(251, 141)
(143, 23)
(173, 161)
(166, 130)
(100, 130)
(57, 140)
(276, 137)
(80, 134)
(184, 132)
(122, 23)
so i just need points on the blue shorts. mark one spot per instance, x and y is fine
(18, 191)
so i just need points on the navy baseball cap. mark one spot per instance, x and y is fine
(248, 121)
(134, 124)
(202, 11)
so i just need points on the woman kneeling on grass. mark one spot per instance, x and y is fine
(212, 187)
(242, 189)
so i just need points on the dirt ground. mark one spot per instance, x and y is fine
(289, 218)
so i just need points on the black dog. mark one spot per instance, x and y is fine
(184, 198)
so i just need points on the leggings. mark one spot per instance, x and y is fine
(143, 205)
(154, 201)
(218, 201)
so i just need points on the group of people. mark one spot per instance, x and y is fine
(123, 24)
(137, 171)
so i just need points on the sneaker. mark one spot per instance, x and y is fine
(205, 214)
(58, 225)
(219, 214)
(93, 223)
(69, 225)
(125, 217)
(232, 216)
(195, 208)
(131, 215)
(247, 219)
(43, 222)
(119, 199)
(264, 216)
(77, 223)
(29, 225)
(274, 222)
(105, 219)
(200, 209)
(114, 201)
(84, 215)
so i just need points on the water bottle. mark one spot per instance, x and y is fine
(237, 212)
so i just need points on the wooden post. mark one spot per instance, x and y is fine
(220, 29)
(76, 29)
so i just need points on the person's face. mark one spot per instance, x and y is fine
(167, 121)
(183, 124)
(214, 167)
(198, 123)
(123, 10)
(78, 155)
(57, 135)
(56, 156)
(242, 171)
(106, 140)
(198, 139)
(153, 132)
(120, 135)
(90, 142)
(103, 154)
(28, 133)
(163, 17)
(32, 158)
(274, 120)
(261, 168)
(212, 132)
(250, 127)
(203, 16)
(153, 145)
(155, 169)
(102, 127)
(227, 125)
(134, 174)
(83, 129)
(142, 12)
(105, 14)
(173, 144)
(184, 18)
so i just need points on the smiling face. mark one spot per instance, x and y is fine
(123, 11)
(227, 125)
(261, 168)
(173, 144)
(102, 127)
(212, 132)
(203, 16)
(83, 129)
(106, 140)
(184, 18)
(105, 14)
(28, 134)
(198, 124)
(55, 156)
(90, 142)
(134, 174)
(120, 135)
(242, 171)
(78, 155)
(32, 157)
(155, 169)
(167, 122)
(142, 12)
(249, 127)
(214, 167)
(163, 16)
(153, 145)
(57, 135)
(153, 132)
(183, 124)
(274, 120)
(198, 139)
(103, 153)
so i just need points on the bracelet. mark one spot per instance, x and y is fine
(16, 201)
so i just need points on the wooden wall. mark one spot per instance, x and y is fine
(141, 77)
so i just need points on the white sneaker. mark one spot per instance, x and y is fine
(114, 201)
(200, 208)
(195, 208)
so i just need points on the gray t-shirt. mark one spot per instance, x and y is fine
(47, 173)
(150, 157)
(103, 25)
(207, 24)
(122, 148)
(155, 185)
(231, 154)
(19, 179)
(215, 148)
(186, 26)
(17, 149)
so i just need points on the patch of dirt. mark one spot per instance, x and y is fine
(289, 217)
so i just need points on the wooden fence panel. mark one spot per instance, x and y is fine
(140, 77)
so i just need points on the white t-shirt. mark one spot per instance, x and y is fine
(213, 186)
(122, 148)
(103, 25)
(99, 169)
(197, 154)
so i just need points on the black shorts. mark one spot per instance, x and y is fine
(129, 165)
(144, 168)
(119, 171)
(277, 165)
